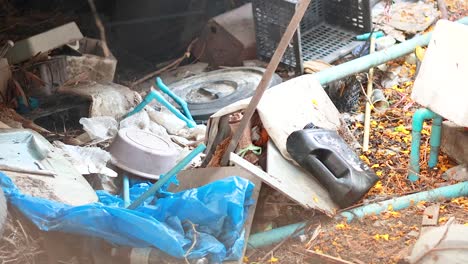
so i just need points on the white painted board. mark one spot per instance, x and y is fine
(442, 82)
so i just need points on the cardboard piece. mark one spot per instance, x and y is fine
(291, 105)
(43, 42)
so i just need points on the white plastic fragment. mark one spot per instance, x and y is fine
(87, 160)
(100, 128)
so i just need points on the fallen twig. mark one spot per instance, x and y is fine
(22, 170)
(322, 258)
(193, 243)
(102, 30)
(367, 117)
(314, 236)
(173, 64)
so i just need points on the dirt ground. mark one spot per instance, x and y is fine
(388, 237)
(384, 238)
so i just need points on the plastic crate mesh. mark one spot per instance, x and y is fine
(327, 30)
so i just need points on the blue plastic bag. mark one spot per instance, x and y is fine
(217, 211)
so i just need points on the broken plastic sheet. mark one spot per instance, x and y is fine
(87, 160)
(100, 127)
(217, 211)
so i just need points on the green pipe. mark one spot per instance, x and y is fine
(399, 203)
(366, 62)
(341, 71)
(126, 190)
(443, 193)
(275, 235)
(418, 121)
(436, 135)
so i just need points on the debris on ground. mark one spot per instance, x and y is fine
(101, 165)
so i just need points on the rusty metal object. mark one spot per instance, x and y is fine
(143, 153)
(228, 39)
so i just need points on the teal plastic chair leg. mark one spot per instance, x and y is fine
(126, 190)
(418, 120)
(155, 95)
(167, 177)
(174, 97)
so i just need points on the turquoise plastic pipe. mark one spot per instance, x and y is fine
(273, 236)
(167, 177)
(418, 121)
(377, 34)
(436, 135)
(366, 62)
(174, 97)
(341, 71)
(126, 190)
(443, 193)
(155, 95)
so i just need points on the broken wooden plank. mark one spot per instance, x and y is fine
(431, 215)
(430, 218)
(267, 76)
(297, 184)
(291, 181)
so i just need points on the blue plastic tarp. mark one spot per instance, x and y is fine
(217, 211)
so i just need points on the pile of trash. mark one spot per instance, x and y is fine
(176, 172)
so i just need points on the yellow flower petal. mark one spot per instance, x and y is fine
(342, 226)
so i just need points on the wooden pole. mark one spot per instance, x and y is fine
(367, 117)
(443, 9)
(266, 78)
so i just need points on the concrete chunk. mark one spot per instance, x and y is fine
(455, 142)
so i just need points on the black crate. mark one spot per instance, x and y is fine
(327, 30)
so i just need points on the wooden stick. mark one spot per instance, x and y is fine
(367, 116)
(315, 257)
(21, 170)
(443, 9)
(171, 65)
(102, 30)
(266, 78)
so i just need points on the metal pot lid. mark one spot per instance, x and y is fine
(207, 93)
